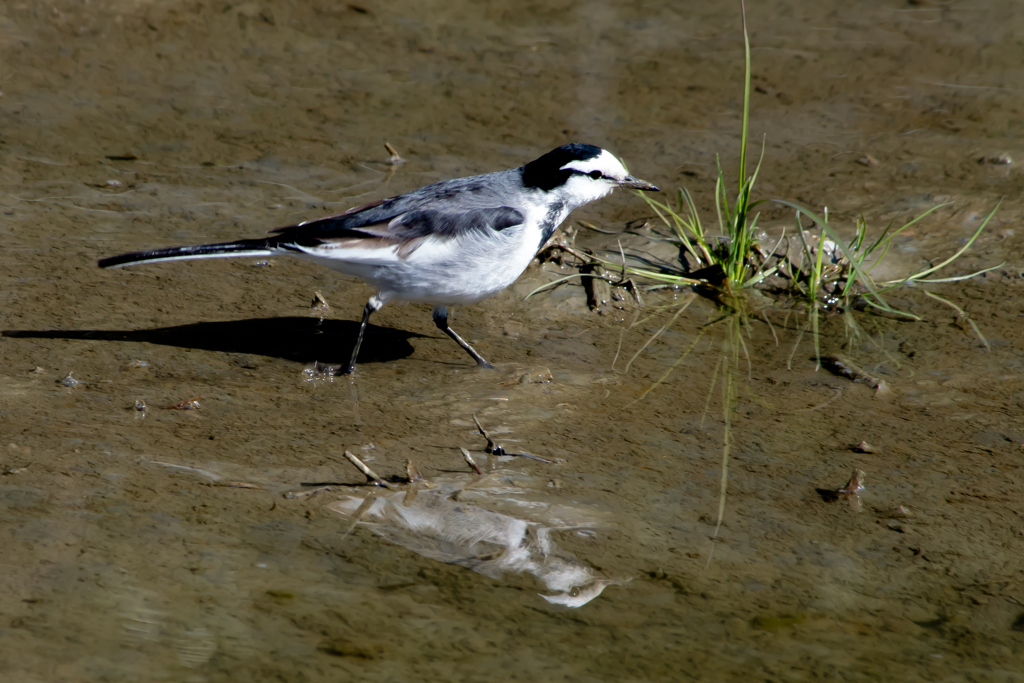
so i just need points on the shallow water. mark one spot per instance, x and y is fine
(169, 544)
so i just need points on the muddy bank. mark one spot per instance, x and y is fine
(161, 544)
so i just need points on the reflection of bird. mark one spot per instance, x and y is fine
(441, 523)
(452, 242)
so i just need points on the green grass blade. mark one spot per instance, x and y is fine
(746, 98)
(889, 309)
(863, 276)
(977, 233)
(960, 278)
(685, 194)
(721, 201)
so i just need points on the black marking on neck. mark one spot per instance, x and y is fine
(551, 221)
(546, 172)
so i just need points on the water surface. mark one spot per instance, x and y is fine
(164, 546)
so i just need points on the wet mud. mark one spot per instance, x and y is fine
(154, 522)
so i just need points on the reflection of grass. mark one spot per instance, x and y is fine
(825, 272)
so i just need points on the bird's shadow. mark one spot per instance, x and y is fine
(304, 340)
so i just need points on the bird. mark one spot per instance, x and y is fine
(451, 242)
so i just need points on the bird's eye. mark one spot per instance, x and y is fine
(595, 174)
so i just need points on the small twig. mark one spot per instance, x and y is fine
(371, 476)
(319, 303)
(413, 473)
(631, 286)
(496, 450)
(236, 484)
(531, 456)
(623, 282)
(299, 495)
(358, 515)
(851, 491)
(394, 159)
(583, 257)
(842, 366)
(490, 442)
(590, 226)
(854, 485)
(470, 462)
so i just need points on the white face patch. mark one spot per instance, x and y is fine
(605, 163)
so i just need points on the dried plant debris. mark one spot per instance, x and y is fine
(497, 450)
(319, 302)
(187, 404)
(559, 245)
(596, 285)
(849, 492)
(844, 367)
(70, 381)
(597, 281)
(394, 159)
(413, 479)
(412, 473)
(371, 476)
(854, 486)
(467, 522)
(471, 462)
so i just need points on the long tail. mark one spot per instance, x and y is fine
(257, 247)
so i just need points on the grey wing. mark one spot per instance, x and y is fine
(441, 211)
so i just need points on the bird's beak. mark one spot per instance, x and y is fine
(637, 184)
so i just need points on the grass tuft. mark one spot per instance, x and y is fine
(826, 272)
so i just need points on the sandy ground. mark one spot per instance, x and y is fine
(169, 545)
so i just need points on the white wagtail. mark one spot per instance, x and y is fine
(453, 242)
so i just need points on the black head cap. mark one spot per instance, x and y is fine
(545, 173)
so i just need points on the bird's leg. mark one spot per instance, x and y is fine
(441, 320)
(374, 304)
